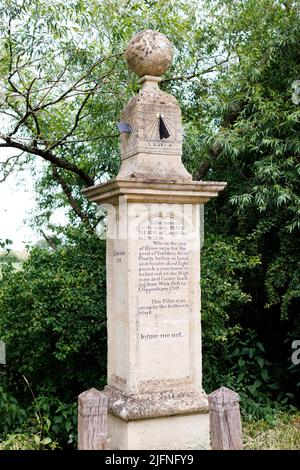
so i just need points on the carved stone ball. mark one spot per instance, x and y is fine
(149, 53)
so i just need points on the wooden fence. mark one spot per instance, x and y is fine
(224, 416)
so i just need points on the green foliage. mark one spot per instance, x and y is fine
(232, 355)
(242, 365)
(23, 441)
(60, 420)
(9, 257)
(224, 264)
(253, 377)
(12, 416)
(58, 57)
(241, 126)
(56, 302)
(41, 425)
(252, 142)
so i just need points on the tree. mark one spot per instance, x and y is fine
(255, 146)
(62, 76)
(64, 83)
(53, 319)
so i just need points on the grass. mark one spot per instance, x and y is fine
(282, 434)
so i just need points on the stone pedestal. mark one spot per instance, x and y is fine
(154, 389)
(181, 432)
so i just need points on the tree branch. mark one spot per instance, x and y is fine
(48, 240)
(7, 172)
(68, 192)
(76, 122)
(210, 69)
(48, 156)
(39, 107)
(78, 114)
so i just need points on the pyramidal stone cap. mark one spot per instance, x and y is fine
(149, 53)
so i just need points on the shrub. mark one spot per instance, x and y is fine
(53, 320)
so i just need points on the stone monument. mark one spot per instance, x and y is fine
(155, 396)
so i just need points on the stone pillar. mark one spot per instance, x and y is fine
(155, 396)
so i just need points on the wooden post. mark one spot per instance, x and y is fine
(225, 420)
(92, 420)
(2, 353)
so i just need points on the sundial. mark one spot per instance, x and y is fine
(151, 121)
(159, 126)
(154, 126)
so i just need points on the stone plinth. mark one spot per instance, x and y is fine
(154, 387)
(181, 432)
(154, 390)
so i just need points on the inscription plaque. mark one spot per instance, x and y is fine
(163, 298)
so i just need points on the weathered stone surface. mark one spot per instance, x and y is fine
(153, 307)
(150, 405)
(184, 432)
(152, 190)
(153, 277)
(149, 53)
(144, 154)
(153, 208)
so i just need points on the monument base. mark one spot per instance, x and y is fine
(179, 432)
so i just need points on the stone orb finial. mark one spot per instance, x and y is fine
(149, 53)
